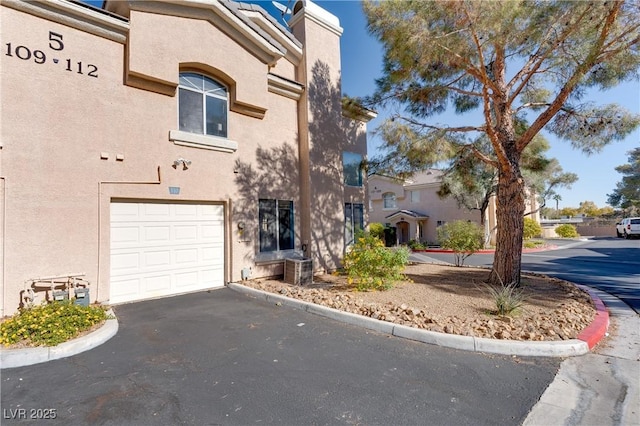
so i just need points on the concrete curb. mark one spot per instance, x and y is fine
(12, 358)
(565, 348)
(600, 324)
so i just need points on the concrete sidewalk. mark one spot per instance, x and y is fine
(602, 387)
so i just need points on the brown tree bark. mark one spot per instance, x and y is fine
(510, 216)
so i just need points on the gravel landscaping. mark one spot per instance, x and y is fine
(454, 300)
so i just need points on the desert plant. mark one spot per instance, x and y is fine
(50, 324)
(531, 229)
(372, 266)
(508, 298)
(416, 245)
(464, 238)
(567, 230)
(377, 230)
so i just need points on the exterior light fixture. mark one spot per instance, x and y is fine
(185, 163)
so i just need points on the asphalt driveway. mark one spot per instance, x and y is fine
(220, 357)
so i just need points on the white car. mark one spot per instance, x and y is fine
(628, 227)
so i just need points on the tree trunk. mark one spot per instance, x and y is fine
(510, 218)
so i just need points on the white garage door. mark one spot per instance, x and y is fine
(165, 249)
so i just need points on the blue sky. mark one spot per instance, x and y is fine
(362, 64)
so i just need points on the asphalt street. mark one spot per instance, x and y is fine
(220, 357)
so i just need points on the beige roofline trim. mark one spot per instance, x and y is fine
(151, 84)
(284, 87)
(294, 52)
(221, 17)
(74, 16)
(364, 115)
(337, 30)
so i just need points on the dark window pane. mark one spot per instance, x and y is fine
(190, 105)
(351, 165)
(358, 217)
(268, 225)
(353, 221)
(285, 224)
(216, 116)
(348, 224)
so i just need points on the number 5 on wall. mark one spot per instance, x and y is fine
(55, 41)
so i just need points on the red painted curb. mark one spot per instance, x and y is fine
(486, 251)
(599, 326)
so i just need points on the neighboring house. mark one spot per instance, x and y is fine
(415, 210)
(160, 147)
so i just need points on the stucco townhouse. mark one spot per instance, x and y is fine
(413, 207)
(151, 148)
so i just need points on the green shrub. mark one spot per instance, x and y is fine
(50, 324)
(532, 244)
(416, 245)
(567, 230)
(531, 229)
(372, 266)
(377, 230)
(464, 238)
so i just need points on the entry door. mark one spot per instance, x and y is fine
(403, 232)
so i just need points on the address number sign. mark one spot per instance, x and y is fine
(56, 44)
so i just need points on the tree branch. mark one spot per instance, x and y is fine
(445, 129)
(572, 82)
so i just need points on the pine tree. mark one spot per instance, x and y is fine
(515, 61)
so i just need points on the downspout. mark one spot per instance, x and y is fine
(106, 182)
(304, 162)
(228, 235)
(3, 188)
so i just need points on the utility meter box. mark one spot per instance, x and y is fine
(82, 296)
(60, 295)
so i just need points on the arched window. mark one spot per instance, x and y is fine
(389, 200)
(203, 104)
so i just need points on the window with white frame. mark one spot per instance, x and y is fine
(414, 196)
(353, 221)
(389, 200)
(352, 168)
(276, 223)
(202, 104)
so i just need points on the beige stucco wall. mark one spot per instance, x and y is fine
(62, 133)
(327, 136)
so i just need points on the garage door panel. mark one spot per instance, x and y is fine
(162, 249)
(214, 276)
(186, 211)
(123, 262)
(157, 233)
(187, 256)
(187, 280)
(186, 232)
(125, 289)
(122, 212)
(212, 231)
(155, 211)
(211, 253)
(122, 235)
(157, 285)
(154, 259)
(212, 211)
